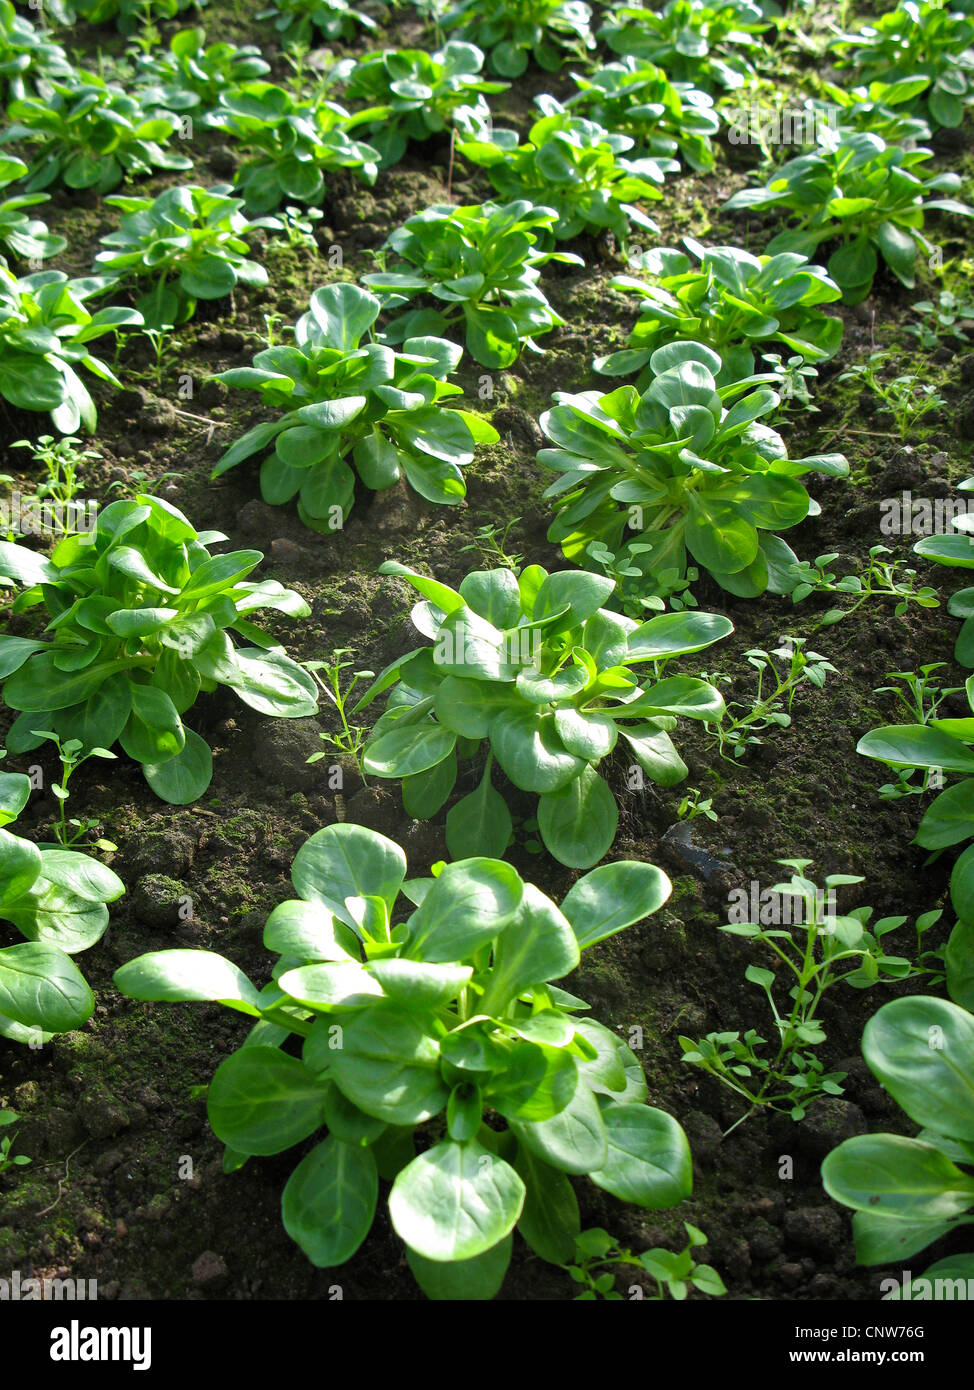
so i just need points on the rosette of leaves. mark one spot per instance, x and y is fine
(686, 469)
(45, 332)
(664, 118)
(130, 15)
(369, 412)
(27, 55)
(948, 822)
(512, 32)
(428, 1007)
(25, 236)
(575, 166)
(710, 45)
(294, 144)
(89, 133)
(191, 242)
(884, 108)
(868, 196)
(931, 42)
(907, 1193)
(57, 899)
(731, 300)
(297, 20)
(534, 666)
(140, 621)
(192, 74)
(480, 262)
(421, 93)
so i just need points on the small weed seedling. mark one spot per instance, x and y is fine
(906, 397)
(880, 581)
(674, 1274)
(71, 752)
(814, 949)
(491, 542)
(62, 461)
(691, 806)
(767, 708)
(352, 738)
(8, 1159)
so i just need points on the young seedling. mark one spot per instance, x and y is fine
(328, 675)
(8, 1159)
(905, 397)
(880, 581)
(691, 806)
(71, 752)
(491, 544)
(767, 708)
(817, 949)
(674, 1274)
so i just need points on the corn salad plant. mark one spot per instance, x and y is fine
(191, 74)
(534, 665)
(710, 45)
(56, 898)
(666, 119)
(481, 264)
(513, 32)
(686, 469)
(45, 332)
(918, 40)
(88, 133)
(421, 94)
(298, 20)
(729, 299)
(27, 55)
(140, 622)
(575, 166)
(129, 15)
(869, 197)
(293, 144)
(351, 411)
(190, 242)
(441, 1014)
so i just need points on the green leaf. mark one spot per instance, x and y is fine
(475, 1280)
(348, 861)
(527, 746)
(578, 822)
(921, 1049)
(480, 822)
(574, 1140)
(537, 945)
(185, 777)
(905, 1180)
(41, 987)
(455, 1201)
(261, 1101)
(468, 905)
(387, 1065)
(329, 1201)
(550, 1220)
(648, 1157)
(307, 932)
(613, 897)
(405, 751)
(176, 977)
